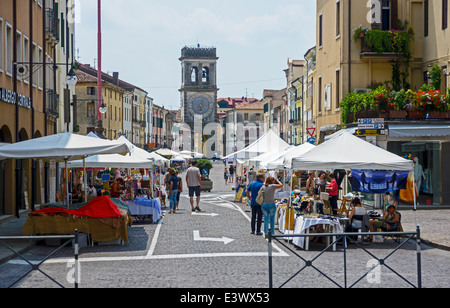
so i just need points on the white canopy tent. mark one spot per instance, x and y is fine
(261, 161)
(167, 152)
(285, 158)
(349, 152)
(269, 142)
(346, 151)
(62, 147)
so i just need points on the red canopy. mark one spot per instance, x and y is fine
(100, 207)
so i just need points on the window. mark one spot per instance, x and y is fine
(386, 15)
(90, 91)
(245, 116)
(35, 60)
(90, 110)
(338, 18)
(320, 30)
(320, 95)
(19, 50)
(338, 86)
(9, 50)
(41, 69)
(1, 45)
(26, 52)
(444, 14)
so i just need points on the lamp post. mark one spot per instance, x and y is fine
(101, 107)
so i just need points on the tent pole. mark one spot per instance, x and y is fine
(85, 178)
(415, 200)
(67, 183)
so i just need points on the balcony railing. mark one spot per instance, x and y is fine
(51, 26)
(51, 105)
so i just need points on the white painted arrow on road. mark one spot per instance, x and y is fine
(225, 240)
(205, 214)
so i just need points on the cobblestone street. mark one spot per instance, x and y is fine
(214, 249)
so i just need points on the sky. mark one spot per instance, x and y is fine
(142, 40)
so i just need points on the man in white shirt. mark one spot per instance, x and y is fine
(194, 184)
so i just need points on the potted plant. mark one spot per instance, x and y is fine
(205, 167)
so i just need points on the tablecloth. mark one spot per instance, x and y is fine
(142, 206)
(302, 224)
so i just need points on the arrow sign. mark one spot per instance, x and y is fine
(204, 214)
(225, 240)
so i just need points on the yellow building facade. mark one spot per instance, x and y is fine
(344, 64)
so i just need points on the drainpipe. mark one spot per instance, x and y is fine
(349, 45)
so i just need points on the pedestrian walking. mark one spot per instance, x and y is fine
(180, 188)
(225, 175)
(268, 208)
(194, 184)
(173, 182)
(231, 173)
(252, 194)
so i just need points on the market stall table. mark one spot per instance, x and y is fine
(302, 225)
(142, 207)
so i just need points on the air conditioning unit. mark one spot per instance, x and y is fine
(361, 90)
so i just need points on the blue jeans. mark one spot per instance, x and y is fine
(173, 199)
(269, 210)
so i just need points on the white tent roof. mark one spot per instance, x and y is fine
(64, 146)
(269, 142)
(138, 158)
(349, 152)
(284, 160)
(167, 152)
(261, 161)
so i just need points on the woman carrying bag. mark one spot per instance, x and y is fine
(267, 195)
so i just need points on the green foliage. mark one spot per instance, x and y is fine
(204, 164)
(436, 76)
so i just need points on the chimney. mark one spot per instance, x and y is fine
(116, 78)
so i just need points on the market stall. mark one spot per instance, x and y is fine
(346, 152)
(101, 218)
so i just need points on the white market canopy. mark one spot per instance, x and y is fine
(62, 147)
(285, 158)
(269, 142)
(261, 161)
(167, 152)
(349, 152)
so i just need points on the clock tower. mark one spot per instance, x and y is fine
(198, 85)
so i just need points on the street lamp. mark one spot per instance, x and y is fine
(103, 108)
(71, 79)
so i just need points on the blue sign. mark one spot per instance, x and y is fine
(205, 171)
(312, 140)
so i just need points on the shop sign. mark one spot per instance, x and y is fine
(14, 98)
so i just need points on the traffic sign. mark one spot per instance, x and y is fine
(312, 140)
(372, 132)
(371, 126)
(311, 131)
(371, 121)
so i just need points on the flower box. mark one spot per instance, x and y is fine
(417, 114)
(397, 114)
(438, 115)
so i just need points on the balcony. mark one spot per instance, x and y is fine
(384, 45)
(51, 26)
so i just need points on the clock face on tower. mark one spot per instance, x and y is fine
(200, 105)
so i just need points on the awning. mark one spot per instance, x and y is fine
(419, 130)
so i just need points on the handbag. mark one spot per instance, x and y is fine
(260, 198)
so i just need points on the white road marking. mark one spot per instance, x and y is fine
(223, 239)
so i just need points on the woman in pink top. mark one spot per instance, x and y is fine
(333, 190)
